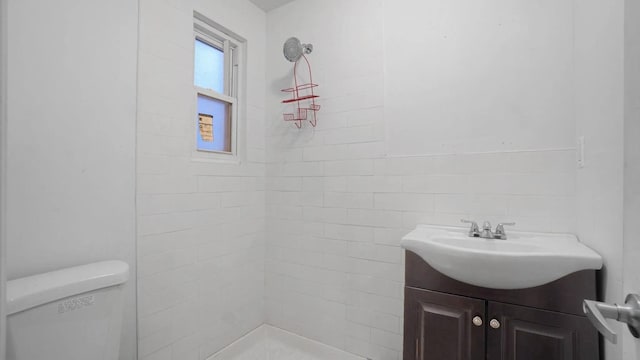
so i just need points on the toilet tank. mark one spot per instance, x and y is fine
(69, 314)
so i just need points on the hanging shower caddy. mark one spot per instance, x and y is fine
(303, 97)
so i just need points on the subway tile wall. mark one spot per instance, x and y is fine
(337, 207)
(334, 266)
(201, 223)
(304, 235)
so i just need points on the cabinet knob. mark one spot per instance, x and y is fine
(495, 324)
(477, 321)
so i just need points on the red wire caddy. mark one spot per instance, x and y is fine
(303, 98)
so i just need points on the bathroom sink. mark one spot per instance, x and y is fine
(524, 260)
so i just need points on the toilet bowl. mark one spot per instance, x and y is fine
(69, 314)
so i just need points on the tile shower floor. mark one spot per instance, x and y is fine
(270, 343)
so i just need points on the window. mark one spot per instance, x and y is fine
(215, 79)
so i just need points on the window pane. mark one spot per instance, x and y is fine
(209, 67)
(219, 138)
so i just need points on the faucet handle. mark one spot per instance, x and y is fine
(500, 229)
(474, 231)
(501, 226)
(473, 223)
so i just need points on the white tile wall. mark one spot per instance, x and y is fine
(332, 205)
(345, 249)
(269, 343)
(338, 207)
(200, 223)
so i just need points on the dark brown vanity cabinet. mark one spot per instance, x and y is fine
(448, 320)
(440, 326)
(532, 334)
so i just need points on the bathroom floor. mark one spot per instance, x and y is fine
(270, 343)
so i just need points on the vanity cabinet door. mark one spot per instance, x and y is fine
(522, 333)
(440, 326)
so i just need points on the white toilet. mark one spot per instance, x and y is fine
(69, 314)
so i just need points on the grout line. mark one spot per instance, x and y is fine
(559, 149)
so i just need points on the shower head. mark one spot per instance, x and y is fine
(293, 49)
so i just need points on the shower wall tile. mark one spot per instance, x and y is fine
(201, 223)
(338, 206)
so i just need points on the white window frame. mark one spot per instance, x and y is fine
(233, 47)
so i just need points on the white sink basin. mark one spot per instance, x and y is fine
(523, 260)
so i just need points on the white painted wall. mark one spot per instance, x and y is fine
(267, 5)
(72, 113)
(467, 76)
(337, 206)
(3, 153)
(632, 164)
(200, 223)
(599, 116)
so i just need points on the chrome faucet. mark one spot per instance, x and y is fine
(486, 232)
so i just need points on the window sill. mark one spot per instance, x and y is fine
(215, 158)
